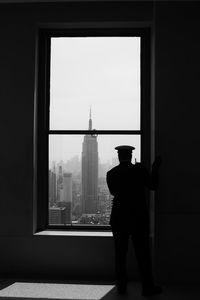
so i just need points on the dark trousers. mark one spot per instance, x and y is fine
(138, 231)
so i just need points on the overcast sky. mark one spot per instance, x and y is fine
(101, 72)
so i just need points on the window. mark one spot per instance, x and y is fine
(93, 96)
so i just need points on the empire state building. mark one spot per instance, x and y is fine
(90, 173)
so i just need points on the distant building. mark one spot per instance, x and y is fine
(60, 184)
(68, 211)
(66, 196)
(73, 165)
(67, 187)
(89, 173)
(52, 187)
(57, 215)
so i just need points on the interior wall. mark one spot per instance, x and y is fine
(177, 139)
(22, 253)
(177, 63)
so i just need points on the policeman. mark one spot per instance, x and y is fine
(129, 217)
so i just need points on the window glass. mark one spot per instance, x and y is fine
(94, 85)
(101, 72)
(78, 193)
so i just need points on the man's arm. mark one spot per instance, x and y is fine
(150, 179)
(154, 177)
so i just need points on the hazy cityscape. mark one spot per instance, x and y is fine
(102, 73)
(78, 193)
(65, 191)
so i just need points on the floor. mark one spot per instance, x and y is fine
(26, 290)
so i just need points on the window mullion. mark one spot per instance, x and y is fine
(96, 132)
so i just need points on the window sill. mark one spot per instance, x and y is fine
(74, 233)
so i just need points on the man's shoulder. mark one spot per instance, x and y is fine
(120, 168)
(113, 170)
(131, 167)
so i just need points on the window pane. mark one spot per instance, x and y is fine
(101, 72)
(78, 193)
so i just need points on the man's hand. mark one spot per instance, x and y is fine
(157, 162)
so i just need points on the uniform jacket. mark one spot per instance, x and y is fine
(127, 183)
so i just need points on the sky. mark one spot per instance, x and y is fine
(98, 72)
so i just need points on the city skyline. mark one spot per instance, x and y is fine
(65, 147)
(95, 79)
(80, 196)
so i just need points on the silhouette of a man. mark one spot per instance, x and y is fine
(129, 217)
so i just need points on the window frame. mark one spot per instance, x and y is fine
(41, 128)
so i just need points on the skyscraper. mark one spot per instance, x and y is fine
(57, 215)
(66, 198)
(67, 187)
(60, 184)
(52, 186)
(90, 172)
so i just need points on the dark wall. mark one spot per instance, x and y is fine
(22, 253)
(177, 139)
(176, 78)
